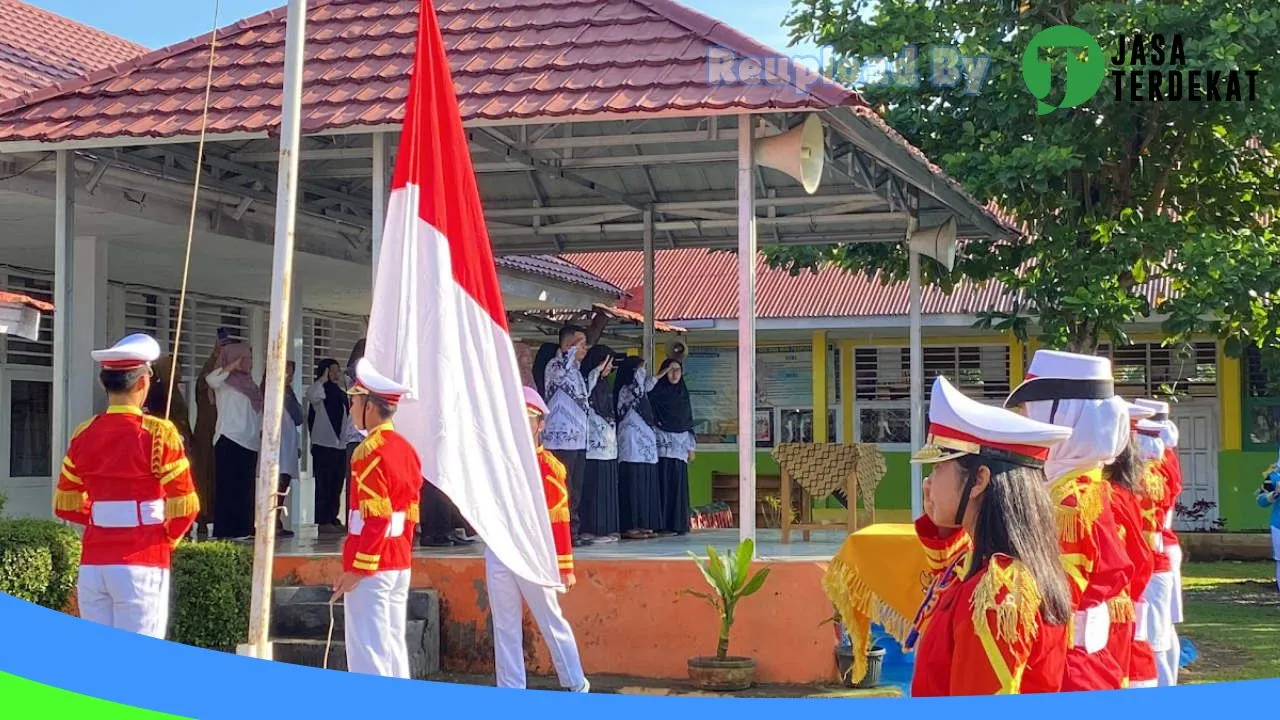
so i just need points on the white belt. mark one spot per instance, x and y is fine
(1140, 611)
(395, 528)
(1092, 628)
(1156, 540)
(127, 513)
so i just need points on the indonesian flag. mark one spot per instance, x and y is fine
(439, 327)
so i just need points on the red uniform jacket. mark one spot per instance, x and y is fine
(1152, 513)
(123, 456)
(1171, 469)
(1097, 566)
(984, 634)
(1124, 504)
(553, 485)
(386, 480)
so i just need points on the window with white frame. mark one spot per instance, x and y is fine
(882, 385)
(1153, 369)
(325, 336)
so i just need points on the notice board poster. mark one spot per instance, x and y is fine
(712, 379)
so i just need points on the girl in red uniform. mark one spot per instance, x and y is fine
(1125, 481)
(994, 620)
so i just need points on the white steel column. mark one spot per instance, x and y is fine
(294, 353)
(649, 289)
(63, 285)
(746, 331)
(87, 313)
(381, 194)
(917, 376)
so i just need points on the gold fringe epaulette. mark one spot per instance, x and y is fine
(553, 463)
(181, 506)
(1120, 608)
(1009, 589)
(367, 448)
(413, 513)
(375, 507)
(164, 436)
(854, 599)
(1153, 483)
(69, 500)
(1077, 505)
(560, 513)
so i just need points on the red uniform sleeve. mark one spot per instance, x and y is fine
(170, 465)
(70, 501)
(994, 640)
(1097, 566)
(1129, 524)
(373, 499)
(554, 485)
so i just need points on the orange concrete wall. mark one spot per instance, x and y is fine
(630, 617)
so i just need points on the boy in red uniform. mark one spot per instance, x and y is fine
(506, 589)
(127, 480)
(997, 612)
(1078, 391)
(386, 479)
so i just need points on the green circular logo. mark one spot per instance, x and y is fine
(1083, 74)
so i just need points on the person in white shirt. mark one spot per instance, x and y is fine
(236, 440)
(290, 421)
(328, 415)
(567, 421)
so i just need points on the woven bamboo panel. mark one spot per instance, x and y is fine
(823, 468)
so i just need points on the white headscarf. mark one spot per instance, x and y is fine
(1099, 433)
(1150, 449)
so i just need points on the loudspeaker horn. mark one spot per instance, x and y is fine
(677, 350)
(938, 242)
(800, 153)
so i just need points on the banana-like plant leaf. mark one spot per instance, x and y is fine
(746, 553)
(756, 583)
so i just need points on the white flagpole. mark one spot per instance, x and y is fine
(278, 341)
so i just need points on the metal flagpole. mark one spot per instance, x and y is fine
(746, 331)
(278, 341)
(917, 372)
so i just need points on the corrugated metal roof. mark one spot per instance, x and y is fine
(39, 49)
(697, 284)
(557, 268)
(511, 59)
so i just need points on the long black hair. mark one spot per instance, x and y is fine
(672, 408)
(600, 400)
(1127, 469)
(1015, 517)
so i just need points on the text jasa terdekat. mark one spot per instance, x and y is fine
(1153, 68)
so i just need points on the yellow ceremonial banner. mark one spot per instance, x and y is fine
(880, 575)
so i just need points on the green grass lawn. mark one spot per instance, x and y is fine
(1232, 614)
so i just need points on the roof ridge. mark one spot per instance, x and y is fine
(724, 35)
(68, 87)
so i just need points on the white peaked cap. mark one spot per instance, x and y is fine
(1056, 375)
(371, 382)
(132, 351)
(533, 400)
(1138, 411)
(1157, 407)
(959, 425)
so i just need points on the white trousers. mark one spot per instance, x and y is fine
(506, 589)
(1175, 614)
(376, 613)
(1159, 597)
(126, 597)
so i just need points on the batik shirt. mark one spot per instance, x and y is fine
(602, 434)
(566, 404)
(675, 446)
(637, 442)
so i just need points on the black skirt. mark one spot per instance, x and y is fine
(673, 484)
(600, 506)
(640, 498)
(236, 470)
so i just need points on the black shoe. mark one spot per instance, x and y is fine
(438, 542)
(581, 542)
(283, 533)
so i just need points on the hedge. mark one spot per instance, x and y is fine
(210, 594)
(39, 561)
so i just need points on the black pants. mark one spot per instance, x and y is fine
(439, 515)
(575, 465)
(236, 469)
(330, 469)
(346, 479)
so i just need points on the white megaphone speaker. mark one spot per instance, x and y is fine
(938, 242)
(800, 152)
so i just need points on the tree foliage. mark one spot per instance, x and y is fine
(1117, 193)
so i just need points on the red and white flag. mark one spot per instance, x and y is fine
(438, 325)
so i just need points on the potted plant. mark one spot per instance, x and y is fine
(844, 658)
(730, 580)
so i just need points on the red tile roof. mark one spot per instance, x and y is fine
(697, 284)
(39, 49)
(511, 59)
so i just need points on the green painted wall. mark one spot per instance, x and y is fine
(1239, 475)
(894, 492)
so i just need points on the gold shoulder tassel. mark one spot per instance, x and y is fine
(1009, 589)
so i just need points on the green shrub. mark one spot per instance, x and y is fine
(211, 589)
(25, 571)
(2, 499)
(63, 547)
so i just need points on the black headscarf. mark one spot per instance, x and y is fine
(600, 400)
(672, 410)
(627, 376)
(336, 402)
(545, 355)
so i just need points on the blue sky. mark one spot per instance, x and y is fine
(156, 23)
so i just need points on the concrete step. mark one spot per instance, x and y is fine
(300, 617)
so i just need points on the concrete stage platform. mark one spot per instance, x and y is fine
(628, 610)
